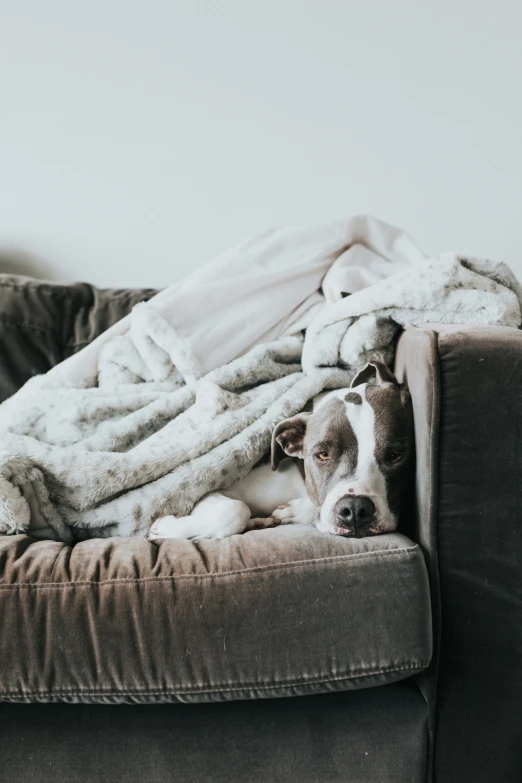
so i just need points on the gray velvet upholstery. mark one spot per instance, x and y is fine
(376, 735)
(285, 611)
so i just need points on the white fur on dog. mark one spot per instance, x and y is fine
(368, 480)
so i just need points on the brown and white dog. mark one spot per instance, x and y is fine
(347, 473)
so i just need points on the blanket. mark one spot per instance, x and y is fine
(180, 398)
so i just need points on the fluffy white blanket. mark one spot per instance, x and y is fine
(180, 397)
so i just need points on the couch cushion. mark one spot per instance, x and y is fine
(286, 611)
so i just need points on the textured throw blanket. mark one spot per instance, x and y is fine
(180, 398)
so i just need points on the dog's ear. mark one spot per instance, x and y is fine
(375, 372)
(287, 439)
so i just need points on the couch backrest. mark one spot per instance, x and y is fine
(42, 323)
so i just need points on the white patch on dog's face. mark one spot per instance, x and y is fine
(367, 481)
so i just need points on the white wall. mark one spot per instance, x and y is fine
(141, 137)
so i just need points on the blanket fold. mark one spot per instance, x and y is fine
(155, 414)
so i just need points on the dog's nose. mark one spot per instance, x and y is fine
(355, 511)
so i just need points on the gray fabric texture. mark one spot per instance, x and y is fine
(287, 611)
(377, 735)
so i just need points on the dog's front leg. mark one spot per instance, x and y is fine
(214, 516)
(300, 511)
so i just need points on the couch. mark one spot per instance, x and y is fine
(284, 654)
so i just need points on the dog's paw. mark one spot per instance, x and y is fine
(261, 523)
(188, 528)
(300, 511)
(166, 527)
(208, 520)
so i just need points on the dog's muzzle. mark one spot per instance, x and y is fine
(354, 515)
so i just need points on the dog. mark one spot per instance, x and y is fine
(342, 467)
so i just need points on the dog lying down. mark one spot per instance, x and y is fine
(343, 467)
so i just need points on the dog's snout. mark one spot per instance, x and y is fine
(355, 511)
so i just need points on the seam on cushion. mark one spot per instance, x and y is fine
(212, 575)
(224, 688)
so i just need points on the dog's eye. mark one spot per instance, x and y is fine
(322, 456)
(395, 456)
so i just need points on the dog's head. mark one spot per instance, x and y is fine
(357, 449)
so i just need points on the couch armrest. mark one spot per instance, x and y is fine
(466, 385)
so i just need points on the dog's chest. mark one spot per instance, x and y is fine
(264, 489)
